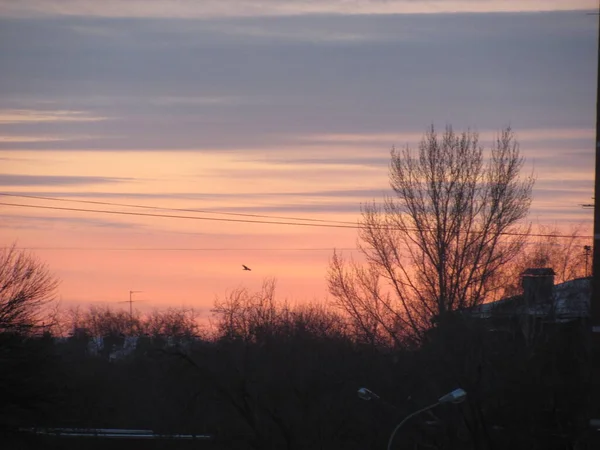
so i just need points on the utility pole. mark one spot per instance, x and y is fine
(131, 304)
(588, 205)
(587, 250)
(595, 298)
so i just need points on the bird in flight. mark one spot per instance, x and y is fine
(246, 267)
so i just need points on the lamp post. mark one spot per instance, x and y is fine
(456, 396)
(367, 394)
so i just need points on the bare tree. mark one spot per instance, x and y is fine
(247, 315)
(175, 322)
(438, 245)
(26, 288)
(105, 321)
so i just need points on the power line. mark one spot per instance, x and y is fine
(174, 216)
(162, 208)
(183, 249)
(208, 249)
(220, 219)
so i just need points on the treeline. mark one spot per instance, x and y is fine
(278, 376)
(101, 321)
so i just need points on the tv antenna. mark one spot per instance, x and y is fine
(130, 301)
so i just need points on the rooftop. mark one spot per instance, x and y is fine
(570, 300)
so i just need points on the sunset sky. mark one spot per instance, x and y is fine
(261, 111)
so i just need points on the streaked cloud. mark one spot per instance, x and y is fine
(224, 84)
(174, 100)
(30, 139)
(43, 222)
(267, 107)
(485, 136)
(315, 32)
(14, 180)
(244, 8)
(16, 140)
(16, 116)
(191, 196)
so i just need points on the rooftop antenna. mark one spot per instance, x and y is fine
(587, 249)
(130, 301)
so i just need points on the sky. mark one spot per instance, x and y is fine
(264, 111)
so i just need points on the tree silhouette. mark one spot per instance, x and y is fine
(26, 288)
(438, 244)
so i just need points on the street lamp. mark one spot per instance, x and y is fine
(456, 396)
(367, 394)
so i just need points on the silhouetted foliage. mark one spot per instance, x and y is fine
(107, 321)
(552, 248)
(26, 289)
(30, 380)
(275, 375)
(438, 245)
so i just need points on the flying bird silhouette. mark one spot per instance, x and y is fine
(246, 267)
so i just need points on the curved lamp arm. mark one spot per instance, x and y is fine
(389, 446)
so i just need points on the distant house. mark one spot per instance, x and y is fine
(542, 304)
(129, 346)
(95, 345)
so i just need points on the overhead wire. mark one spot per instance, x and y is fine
(208, 249)
(174, 216)
(163, 208)
(278, 222)
(189, 249)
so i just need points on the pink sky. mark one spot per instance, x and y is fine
(83, 248)
(289, 113)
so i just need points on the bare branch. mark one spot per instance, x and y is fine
(26, 289)
(439, 244)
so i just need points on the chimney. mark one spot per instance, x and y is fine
(537, 286)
